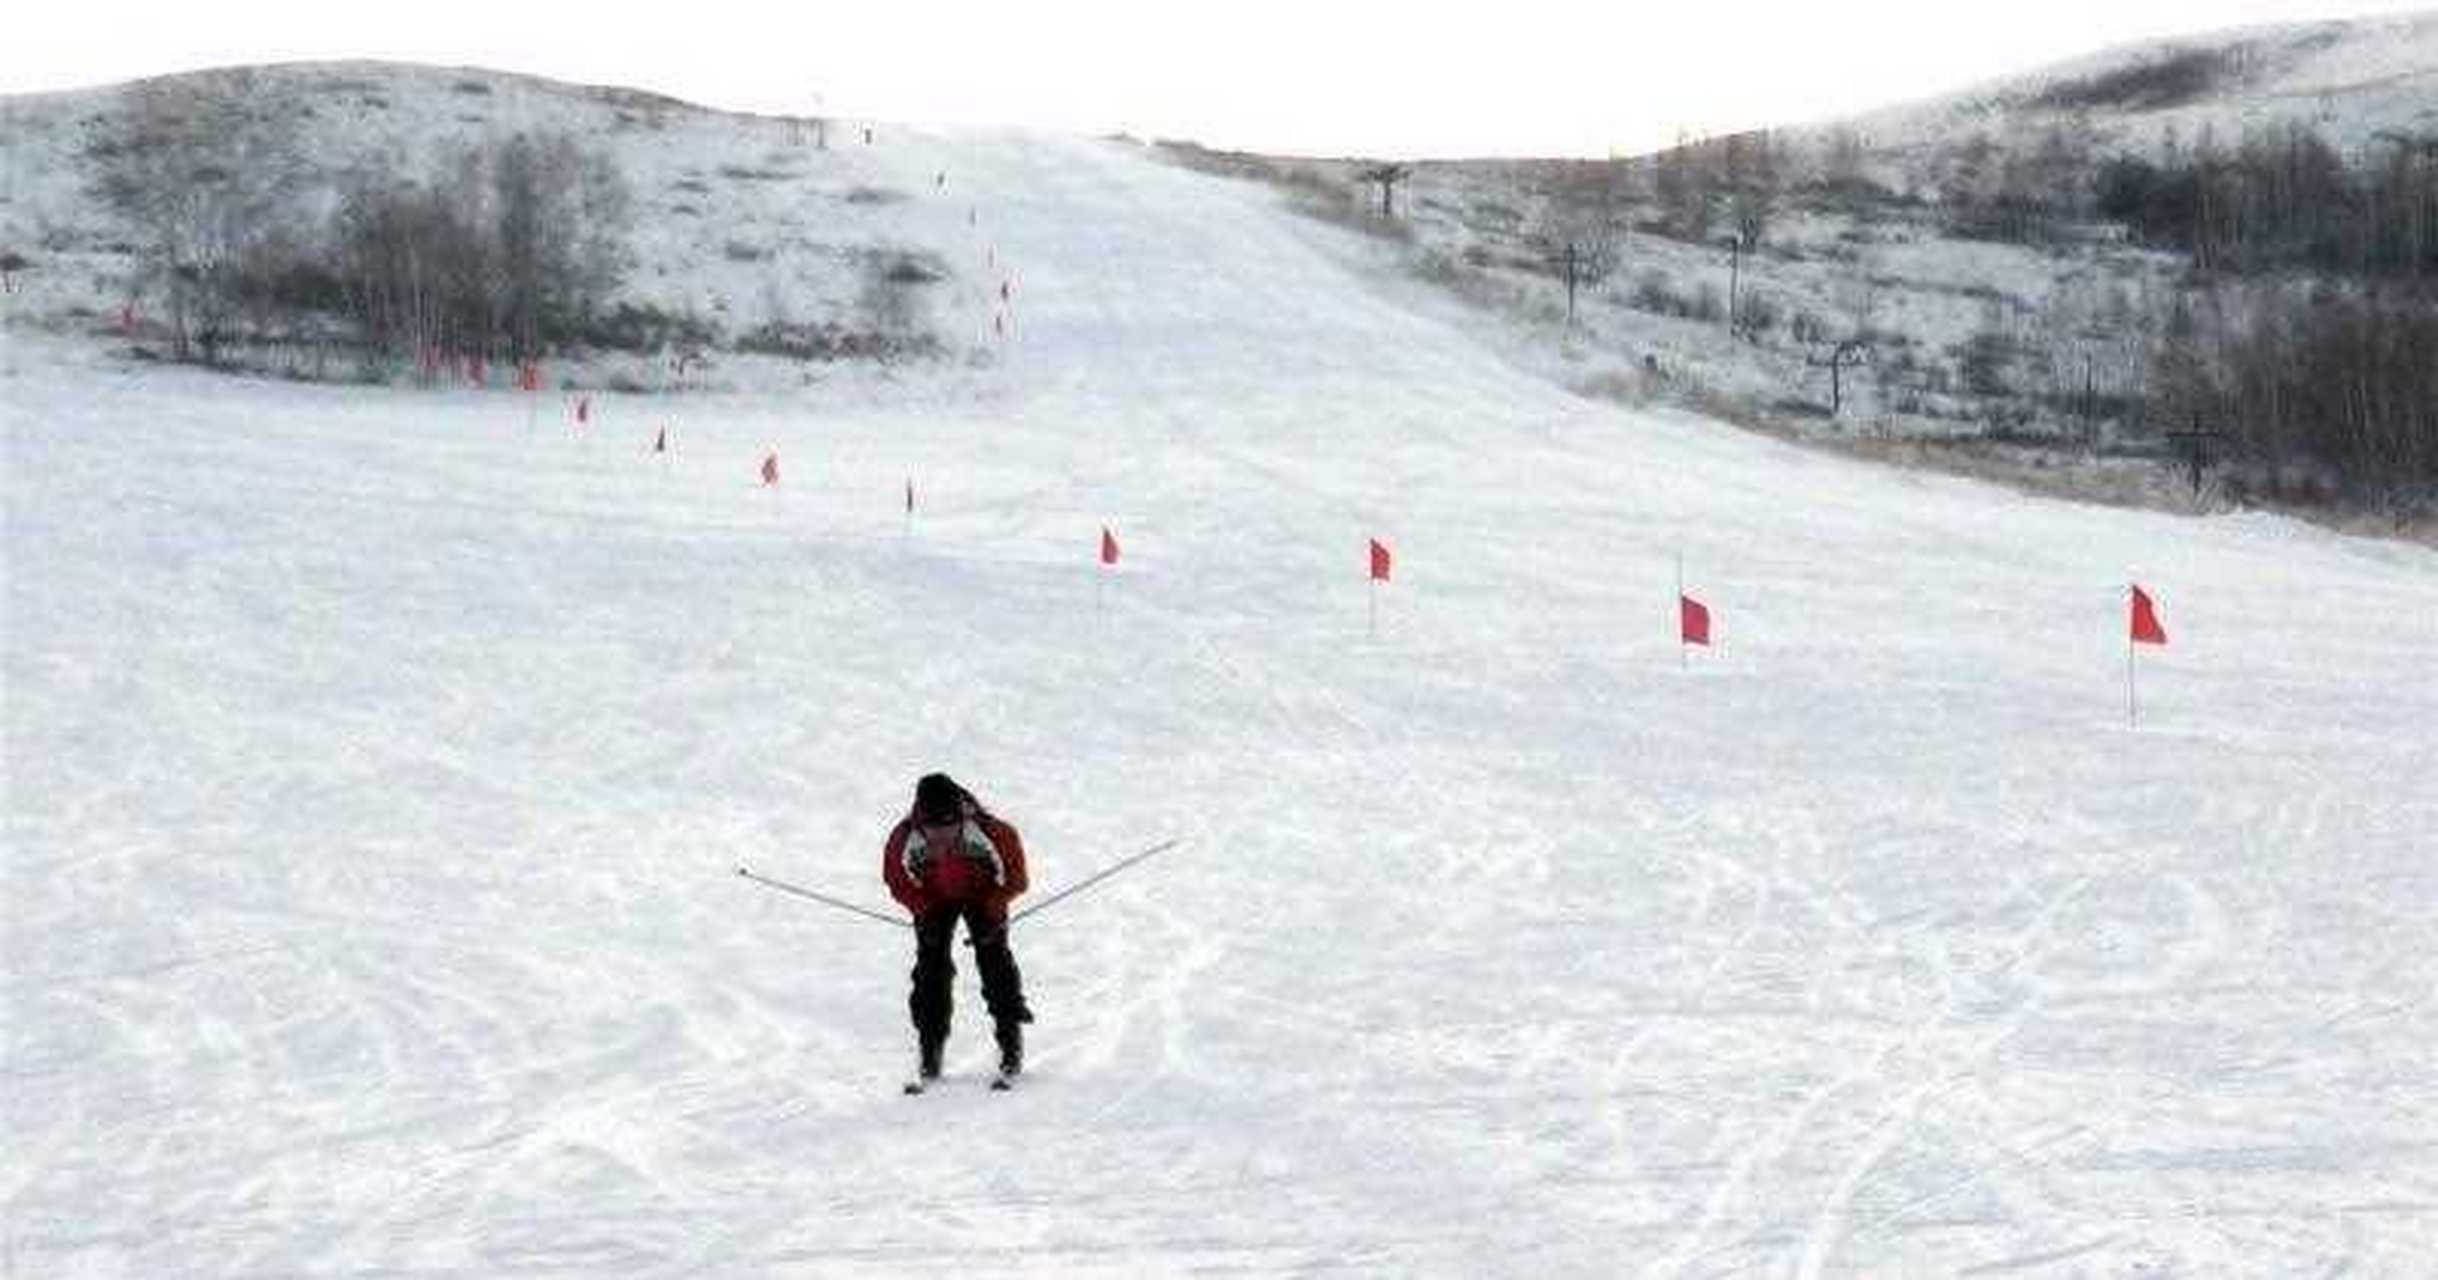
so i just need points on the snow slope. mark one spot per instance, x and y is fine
(2357, 83)
(377, 766)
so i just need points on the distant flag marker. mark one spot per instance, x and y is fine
(1693, 621)
(1692, 618)
(770, 469)
(2143, 627)
(2145, 619)
(1380, 569)
(1108, 564)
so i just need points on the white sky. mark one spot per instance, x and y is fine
(1413, 79)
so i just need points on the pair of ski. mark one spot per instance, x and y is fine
(1000, 1082)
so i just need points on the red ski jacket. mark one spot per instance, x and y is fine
(983, 864)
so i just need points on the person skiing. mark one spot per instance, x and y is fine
(949, 859)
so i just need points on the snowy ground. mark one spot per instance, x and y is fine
(377, 766)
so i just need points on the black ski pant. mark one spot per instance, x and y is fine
(933, 1000)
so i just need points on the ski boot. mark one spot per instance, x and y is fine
(926, 1071)
(1011, 1052)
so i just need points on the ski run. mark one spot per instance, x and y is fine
(379, 764)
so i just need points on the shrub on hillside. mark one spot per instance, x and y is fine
(1655, 291)
(825, 342)
(628, 327)
(2181, 76)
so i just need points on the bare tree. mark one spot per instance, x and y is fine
(517, 245)
(1684, 182)
(201, 168)
(1842, 162)
(1750, 174)
(560, 234)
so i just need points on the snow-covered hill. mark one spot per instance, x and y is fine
(377, 761)
(739, 221)
(2352, 82)
(1946, 281)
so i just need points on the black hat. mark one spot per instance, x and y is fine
(938, 799)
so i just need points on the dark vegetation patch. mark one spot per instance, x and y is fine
(2178, 78)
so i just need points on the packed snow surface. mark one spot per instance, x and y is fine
(379, 761)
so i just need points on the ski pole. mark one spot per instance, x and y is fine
(1089, 881)
(823, 898)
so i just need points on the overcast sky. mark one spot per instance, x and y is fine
(1311, 76)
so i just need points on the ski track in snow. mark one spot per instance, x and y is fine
(377, 765)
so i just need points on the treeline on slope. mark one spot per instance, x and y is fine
(506, 250)
(2284, 199)
(2306, 335)
(2311, 336)
(2323, 392)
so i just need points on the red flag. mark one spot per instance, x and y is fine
(2146, 628)
(584, 409)
(1108, 546)
(770, 468)
(529, 376)
(1379, 561)
(1692, 621)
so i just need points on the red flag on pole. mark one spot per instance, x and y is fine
(1108, 546)
(584, 409)
(2146, 628)
(1379, 561)
(770, 468)
(1693, 621)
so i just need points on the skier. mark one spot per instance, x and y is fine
(947, 860)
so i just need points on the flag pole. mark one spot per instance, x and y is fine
(2132, 717)
(1684, 659)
